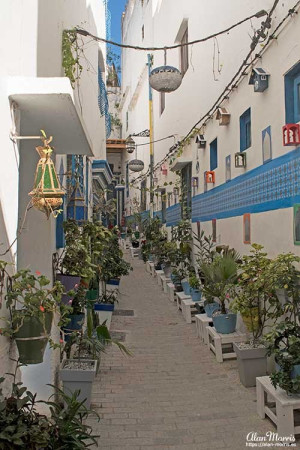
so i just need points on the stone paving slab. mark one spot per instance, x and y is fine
(172, 394)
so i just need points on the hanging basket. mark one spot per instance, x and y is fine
(165, 79)
(47, 194)
(136, 165)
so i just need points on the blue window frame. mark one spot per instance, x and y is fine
(292, 95)
(214, 154)
(245, 130)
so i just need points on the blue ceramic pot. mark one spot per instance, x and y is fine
(104, 307)
(69, 282)
(114, 281)
(123, 235)
(196, 295)
(210, 308)
(75, 324)
(150, 258)
(295, 371)
(225, 323)
(186, 287)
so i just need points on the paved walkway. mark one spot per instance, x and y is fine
(172, 394)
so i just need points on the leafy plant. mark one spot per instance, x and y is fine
(255, 297)
(284, 343)
(219, 277)
(22, 426)
(194, 282)
(28, 296)
(71, 56)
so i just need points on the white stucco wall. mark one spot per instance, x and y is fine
(199, 90)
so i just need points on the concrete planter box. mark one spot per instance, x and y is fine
(77, 379)
(252, 363)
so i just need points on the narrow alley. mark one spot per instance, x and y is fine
(172, 394)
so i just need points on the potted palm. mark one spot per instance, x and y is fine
(256, 300)
(31, 304)
(219, 277)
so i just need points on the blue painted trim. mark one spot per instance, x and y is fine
(289, 93)
(282, 202)
(102, 164)
(245, 123)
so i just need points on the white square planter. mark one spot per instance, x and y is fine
(79, 379)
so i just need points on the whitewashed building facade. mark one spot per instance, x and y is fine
(255, 203)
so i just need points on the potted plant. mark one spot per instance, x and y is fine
(105, 306)
(75, 264)
(219, 276)
(23, 426)
(196, 292)
(32, 305)
(75, 318)
(283, 341)
(256, 300)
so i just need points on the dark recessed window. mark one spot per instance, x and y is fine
(214, 154)
(245, 130)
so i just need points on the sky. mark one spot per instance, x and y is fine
(116, 8)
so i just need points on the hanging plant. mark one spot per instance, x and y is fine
(71, 56)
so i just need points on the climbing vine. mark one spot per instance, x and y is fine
(71, 56)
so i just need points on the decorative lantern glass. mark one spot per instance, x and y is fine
(47, 194)
(165, 79)
(130, 145)
(136, 165)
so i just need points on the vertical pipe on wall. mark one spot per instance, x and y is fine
(151, 135)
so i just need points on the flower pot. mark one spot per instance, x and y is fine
(210, 308)
(137, 234)
(196, 295)
(150, 258)
(104, 311)
(123, 235)
(186, 287)
(158, 266)
(135, 244)
(177, 286)
(78, 375)
(295, 371)
(252, 363)
(69, 282)
(114, 281)
(32, 338)
(167, 270)
(225, 323)
(251, 319)
(75, 324)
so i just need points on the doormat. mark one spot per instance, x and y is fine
(118, 335)
(123, 312)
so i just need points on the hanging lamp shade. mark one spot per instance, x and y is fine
(76, 208)
(165, 79)
(47, 194)
(136, 165)
(130, 145)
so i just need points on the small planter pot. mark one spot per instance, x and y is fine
(158, 266)
(295, 371)
(252, 363)
(78, 375)
(210, 308)
(69, 282)
(104, 311)
(150, 258)
(196, 295)
(32, 338)
(137, 234)
(225, 323)
(114, 282)
(186, 287)
(178, 287)
(167, 270)
(75, 324)
(135, 244)
(123, 235)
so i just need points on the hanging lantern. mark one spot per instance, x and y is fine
(130, 145)
(47, 194)
(165, 79)
(135, 165)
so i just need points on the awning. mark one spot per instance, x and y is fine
(48, 104)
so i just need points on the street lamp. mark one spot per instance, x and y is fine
(130, 145)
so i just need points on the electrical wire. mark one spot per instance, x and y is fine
(239, 75)
(83, 32)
